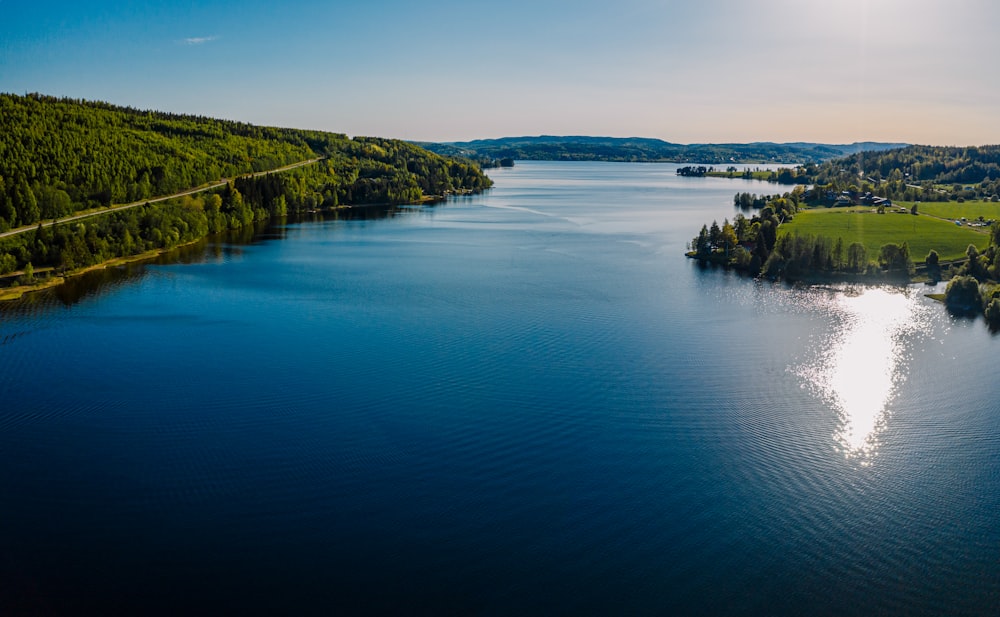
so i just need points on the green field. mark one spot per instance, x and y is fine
(971, 210)
(923, 233)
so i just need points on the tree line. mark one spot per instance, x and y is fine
(753, 245)
(62, 156)
(638, 149)
(913, 173)
(974, 288)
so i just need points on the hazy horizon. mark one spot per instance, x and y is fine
(717, 72)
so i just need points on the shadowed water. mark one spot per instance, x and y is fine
(523, 402)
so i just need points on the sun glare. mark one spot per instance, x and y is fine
(861, 366)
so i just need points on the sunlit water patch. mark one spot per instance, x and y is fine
(863, 362)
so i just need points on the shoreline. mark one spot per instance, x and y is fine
(16, 292)
(815, 278)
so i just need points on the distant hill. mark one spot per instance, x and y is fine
(639, 149)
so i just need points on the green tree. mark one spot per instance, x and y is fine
(837, 254)
(54, 203)
(25, 203)
(992, 313)
(701, 244)
(715, 235)
(8, 263)
(977, 265)
(742, 227)
(774, 266)
(729, 239)
(895, 258)
(857, 257)
(932, 261)
(962, 295)
(742, 258)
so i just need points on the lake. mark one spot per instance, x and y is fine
(521, 402)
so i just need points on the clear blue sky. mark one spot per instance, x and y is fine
(692, 71)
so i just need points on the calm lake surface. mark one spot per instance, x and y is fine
(522, 402)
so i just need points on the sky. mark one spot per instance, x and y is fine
(705, 71)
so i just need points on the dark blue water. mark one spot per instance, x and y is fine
(524, 402)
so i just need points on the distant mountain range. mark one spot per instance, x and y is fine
(639, 149)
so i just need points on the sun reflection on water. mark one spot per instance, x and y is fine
(864, 362)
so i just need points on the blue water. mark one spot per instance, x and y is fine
(522, 402)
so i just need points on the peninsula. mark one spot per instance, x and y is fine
(916, 213)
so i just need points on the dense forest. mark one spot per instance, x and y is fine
(59, 157)
(637, 149)
(914, 173)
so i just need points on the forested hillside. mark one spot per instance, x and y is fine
(926, 173)
(914, 173)
(59, 157)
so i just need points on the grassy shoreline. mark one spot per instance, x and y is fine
(860, 224)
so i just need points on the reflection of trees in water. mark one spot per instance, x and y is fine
(77, 288)
(217, 249)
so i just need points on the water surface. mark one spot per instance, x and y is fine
(522, 402)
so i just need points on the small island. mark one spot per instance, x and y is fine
(913, 214)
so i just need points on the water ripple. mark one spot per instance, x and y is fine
(862, 364)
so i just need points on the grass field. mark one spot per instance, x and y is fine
(923, 233)
(971, 210)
